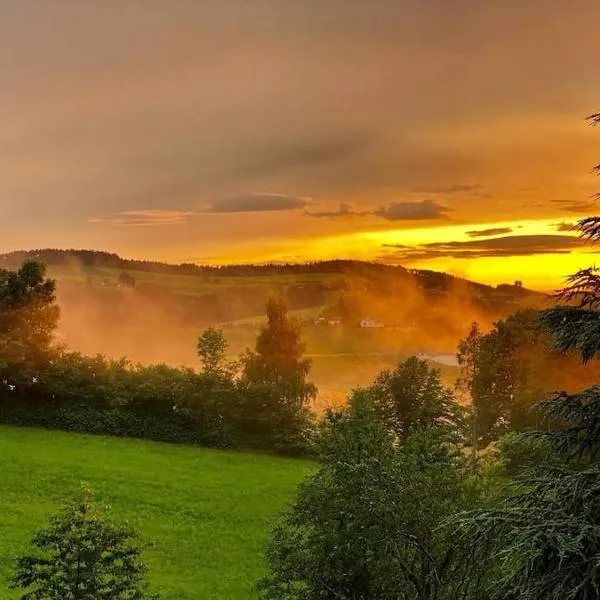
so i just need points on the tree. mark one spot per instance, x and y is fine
(548, 538)
(366, 525)
(274, 389)
(411, 398)
(28, 317)
(468, 356)
(212, 349)
(81, 556)
(277, 358)
(509, 370)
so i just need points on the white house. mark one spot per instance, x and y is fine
(367, 322)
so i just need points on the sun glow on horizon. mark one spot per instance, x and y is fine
(544, 270)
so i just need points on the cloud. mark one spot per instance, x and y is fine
(259, 202)
(273, 155)
(454, 188)
(395, 211)
(412, 211)
(315, 152)
(144, 218)
(576, 207)
(345, 210)
(339, 100)
(518, 245)
(563, 226)
(488, 232)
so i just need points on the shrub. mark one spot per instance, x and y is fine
(82, 556)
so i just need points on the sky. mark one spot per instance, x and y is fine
(440, 134)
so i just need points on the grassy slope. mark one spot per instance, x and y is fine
(208, 513)
(185, 284)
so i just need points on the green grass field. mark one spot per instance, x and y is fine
(208, 513)
(186, 284)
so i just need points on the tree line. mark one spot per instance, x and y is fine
(261, 402)
(101, 259)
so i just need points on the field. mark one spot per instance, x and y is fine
(207, 513)
(185, 284)
(154, 330)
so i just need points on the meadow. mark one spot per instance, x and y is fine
(186, 284)
(206, 514)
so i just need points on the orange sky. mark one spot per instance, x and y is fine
(443, 134)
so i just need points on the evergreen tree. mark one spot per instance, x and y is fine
(275, 392)
(81, 556)
(277, 358)
(548, 538)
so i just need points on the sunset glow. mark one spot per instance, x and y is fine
(303, 131)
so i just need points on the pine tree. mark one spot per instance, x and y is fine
(81, 556)
(274, 388)
(278, 358)
(548, 538)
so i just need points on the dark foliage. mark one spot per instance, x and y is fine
(507, 371)
(41, 385)
(366, 525)
(276, 389)
(548, 537)
(411, 398)
(28, 317)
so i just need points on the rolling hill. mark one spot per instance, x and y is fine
(207, 514)
(153, 312)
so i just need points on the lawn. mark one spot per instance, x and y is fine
(207, 513)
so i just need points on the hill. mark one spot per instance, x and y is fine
(207, 513)
(153, 312)
(94, 261)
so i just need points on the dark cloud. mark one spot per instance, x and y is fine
(413, 211)
(575, 207)
(260, 202)
(395, 211)
(518, 245)
(564, 226)
(454, 188)
(488, 232)
(274, 155)
(345, 210)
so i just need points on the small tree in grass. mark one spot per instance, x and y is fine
(83, 557)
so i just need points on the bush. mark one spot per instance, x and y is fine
(519, 452)
(82, 556)
(178, 405)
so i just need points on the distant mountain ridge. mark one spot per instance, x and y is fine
(432, 280)
(99, 258)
